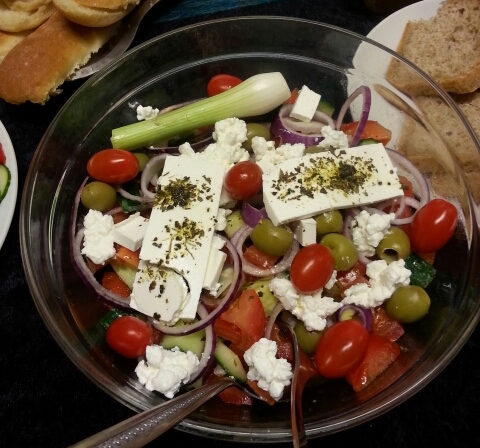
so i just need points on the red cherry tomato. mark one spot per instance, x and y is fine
(341, 348)
(221, 83)
(311, 268)
(129, 336)
(243, 180)
(433, 225)
(3, 158)
(113, 166)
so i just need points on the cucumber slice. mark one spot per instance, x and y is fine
(125, 272)
(194, 342)
(5, 178)
(230, 362)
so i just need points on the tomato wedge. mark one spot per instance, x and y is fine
(373, 129)
(115, 284)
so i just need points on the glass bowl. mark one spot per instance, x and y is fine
(175, 67)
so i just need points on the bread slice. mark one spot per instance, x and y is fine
(93, 16)
(446, 47)
(445, 122)
(34, 68)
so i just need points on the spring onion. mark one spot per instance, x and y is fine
(255, 96)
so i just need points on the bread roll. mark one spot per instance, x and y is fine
(446, 47)
(95, 16)
(9, 40)
(34, 68)
(14, 21)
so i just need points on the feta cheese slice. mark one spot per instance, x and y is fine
(130, 232)
(305, 105)
(306, 186)
(305, 231)
(179, 235)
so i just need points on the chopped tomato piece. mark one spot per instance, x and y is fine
(407, 186)
(379, 355)
(373, 129)
(128, 257)
(293, 97)
(115, 284)
(3, 158)
(236, 396)
(119, 217)
(385, 326)
(246, 312)
(228, 331)
(355, 274)
(263, 394)
(259, 258)
(429, 257)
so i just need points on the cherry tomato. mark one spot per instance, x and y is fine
(433, 225)
(129, 336)
(3, 158)
(311, 268)
(113, 166)
(341, 348)
(243, 180)
(221, 83)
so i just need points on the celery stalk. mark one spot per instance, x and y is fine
(255, 96)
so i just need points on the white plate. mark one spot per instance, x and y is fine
(7, 206)
(388, 33)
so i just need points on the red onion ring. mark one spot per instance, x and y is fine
(250, 268)
(362, 121)
(365, 315)
(152, 167)
(132, 197)
(281, 128)
(277, 309)
(210, 343)
(251, 215)
(222, 306)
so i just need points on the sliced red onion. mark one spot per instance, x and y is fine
(251, 215)
(132, 197)
(353, 311)
(222, 306)
(251, 269)
(277, 309)
(281, 128)
(210, 342)
(152, 168)
(362, 121)
(420, 184)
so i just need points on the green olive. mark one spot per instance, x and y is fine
(270, 239)
(98, 196)
(262, 286)
(408, 304)
(307, 340)
(255, 130)
(329, 222)
(395, 245)
(142, 160)
(234, 222)
(343, 250)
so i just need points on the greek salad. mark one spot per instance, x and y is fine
(199, 246)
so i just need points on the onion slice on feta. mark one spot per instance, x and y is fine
(362, 121)
(223, 304)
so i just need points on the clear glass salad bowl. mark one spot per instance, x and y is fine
(174, 68)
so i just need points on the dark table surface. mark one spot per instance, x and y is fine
(45, 401)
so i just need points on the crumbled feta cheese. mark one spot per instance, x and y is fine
(146, 113)
(313, 309)
(267, 156)
(384, 279)
(333, 139)
(272, 373)
(368, 230)
(221, 221)
(166, 370)
(98, 238)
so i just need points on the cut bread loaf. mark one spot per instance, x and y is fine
(108, 11)
(34, 68)
(446, 47)
(9, 40)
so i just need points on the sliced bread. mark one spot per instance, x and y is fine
(446, 47)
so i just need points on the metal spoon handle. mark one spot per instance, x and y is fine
(144, 427)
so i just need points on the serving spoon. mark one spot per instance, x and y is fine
(118, 43)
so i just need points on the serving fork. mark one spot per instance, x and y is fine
(118, 44)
